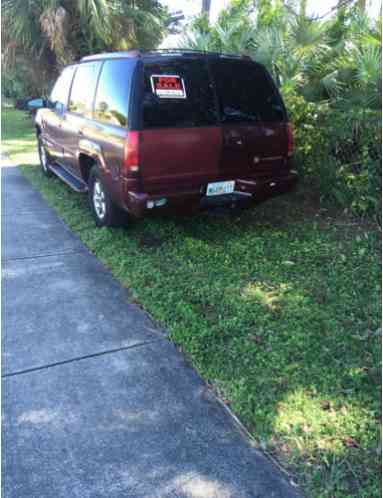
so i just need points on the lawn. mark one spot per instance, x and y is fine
(17, 136)
(277, 307)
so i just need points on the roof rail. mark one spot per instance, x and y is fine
(112, 55)
(160, 51)
(193, 51)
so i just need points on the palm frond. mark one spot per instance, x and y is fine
(368, 63)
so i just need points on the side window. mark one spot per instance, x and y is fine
(112, 98)
(83, 88)
(60, 92)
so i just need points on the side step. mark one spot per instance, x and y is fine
(68, 178)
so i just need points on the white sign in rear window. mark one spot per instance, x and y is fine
(168, 86)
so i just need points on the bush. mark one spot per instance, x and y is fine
(356, 151)
(16, 84)
(307, 118)
(338, 153)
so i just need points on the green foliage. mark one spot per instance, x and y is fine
(339, 154)
(20, 81)
(329, 73)
(278, 308)
(14, 85)
(51, 33)
(357, 163)
(309, 138)
(270, 13)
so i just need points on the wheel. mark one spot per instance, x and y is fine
(105, 212)
(44, 158)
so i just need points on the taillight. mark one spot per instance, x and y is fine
(290, 139)
(132, 153)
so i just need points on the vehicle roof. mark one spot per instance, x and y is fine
(163, 52)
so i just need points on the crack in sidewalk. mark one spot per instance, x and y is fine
(78, 358)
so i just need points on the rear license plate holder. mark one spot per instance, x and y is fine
(220, 188)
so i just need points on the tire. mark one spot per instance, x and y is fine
(44, 158)
(105, 212)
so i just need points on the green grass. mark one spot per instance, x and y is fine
(277, 307)
(17, 136)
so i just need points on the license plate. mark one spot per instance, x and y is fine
(220, 188)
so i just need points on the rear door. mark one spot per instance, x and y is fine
(80, 112)
(253, 119)
(180, 139)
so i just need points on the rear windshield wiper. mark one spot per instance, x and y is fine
(237, 115)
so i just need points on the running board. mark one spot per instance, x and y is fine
(68, 178)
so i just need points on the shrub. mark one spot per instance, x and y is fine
(338, 153)
(356, 151)
(16, 84)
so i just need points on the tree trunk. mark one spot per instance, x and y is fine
(206, 7)
(362, 5)
(302, 8)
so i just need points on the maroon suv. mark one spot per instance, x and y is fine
(143, 131)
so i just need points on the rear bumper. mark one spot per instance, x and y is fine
(247, 191)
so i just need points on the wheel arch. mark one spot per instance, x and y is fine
(86, 162)
(89, 154)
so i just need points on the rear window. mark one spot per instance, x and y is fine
(246, 93)
(177, 94)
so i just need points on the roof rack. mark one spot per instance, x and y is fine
(161, 51)
(192, 51)
(112, 55)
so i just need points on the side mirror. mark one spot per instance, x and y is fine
(35, 104)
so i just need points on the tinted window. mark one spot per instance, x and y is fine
(178, 94)
(60, 92)
(246, 93)
(84, 85)
(112, 98)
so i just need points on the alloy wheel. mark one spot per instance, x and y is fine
(43, 157)
(99, 201)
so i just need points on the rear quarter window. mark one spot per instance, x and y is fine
(246, 92)
(113, 92)
(189, 100)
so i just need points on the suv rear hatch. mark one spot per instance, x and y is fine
(209, 118)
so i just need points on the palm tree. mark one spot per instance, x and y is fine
(321, 60)
(53, 33)
(302, 7)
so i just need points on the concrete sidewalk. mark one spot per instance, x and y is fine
(96, 401)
